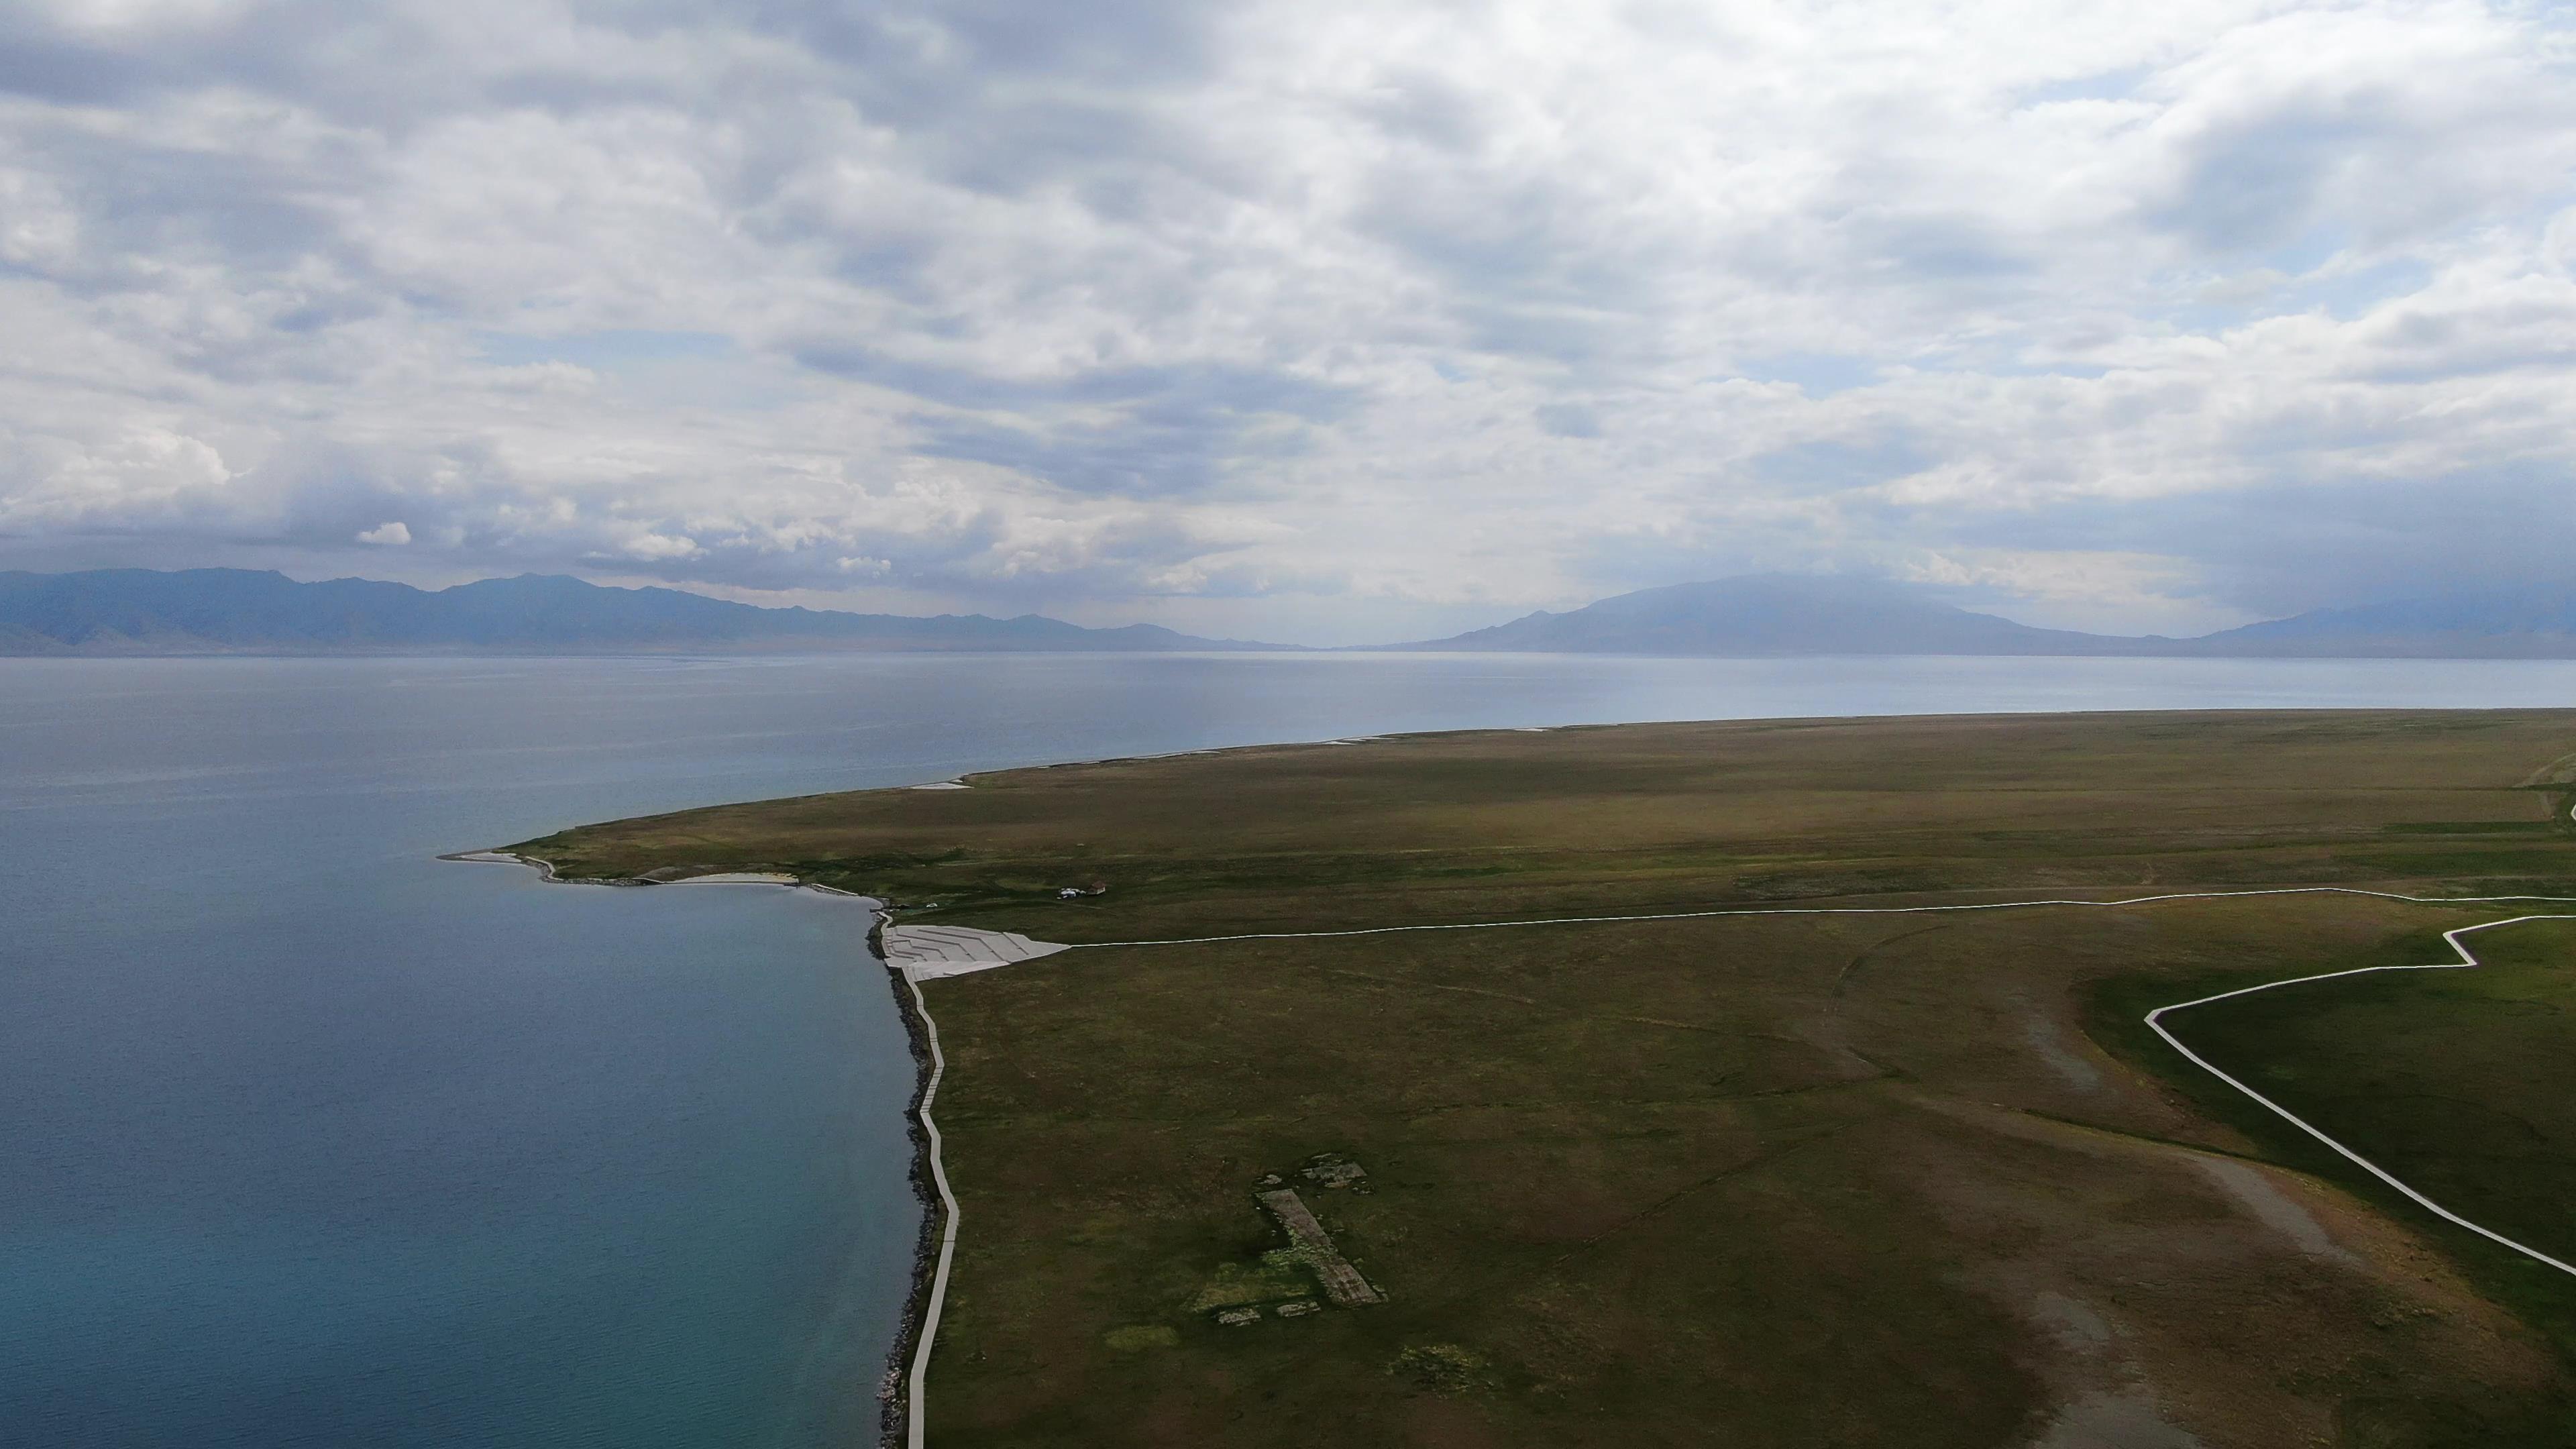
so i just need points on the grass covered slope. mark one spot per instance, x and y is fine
(1790, 1180)
(1475, 826)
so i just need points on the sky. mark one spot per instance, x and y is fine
(1309, 321)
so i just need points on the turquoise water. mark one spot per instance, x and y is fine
(308, 1138)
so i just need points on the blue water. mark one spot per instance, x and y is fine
(307, 1138)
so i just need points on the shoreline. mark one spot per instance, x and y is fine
(901, 1389)
(904, 1392)
(907, 1360)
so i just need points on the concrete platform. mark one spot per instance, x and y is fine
(926, 953)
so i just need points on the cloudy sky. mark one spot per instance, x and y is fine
(1307, 320)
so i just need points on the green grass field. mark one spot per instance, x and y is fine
(2462, 1083)
(1784, 1180)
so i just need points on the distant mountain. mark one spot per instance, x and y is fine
(221, 611)
(215, 611)
(2484, 624)
(1763, 615)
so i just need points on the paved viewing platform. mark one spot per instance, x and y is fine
(926, 953)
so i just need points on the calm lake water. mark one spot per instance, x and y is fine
(307, 1138)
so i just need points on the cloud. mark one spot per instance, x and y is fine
(1284, 316)
(1568, 420)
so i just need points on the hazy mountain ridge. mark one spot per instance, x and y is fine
(1784, 615)
(215, 611)
(1760, 615)
(2471, 624)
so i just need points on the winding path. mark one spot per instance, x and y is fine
(939, 1175)
(2467, 961)
(916, 1395)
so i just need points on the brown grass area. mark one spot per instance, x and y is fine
(1754, 1180)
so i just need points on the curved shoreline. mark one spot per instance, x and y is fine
(544, 868)
(900, 1392)
(903, 1394)
(921, 1314)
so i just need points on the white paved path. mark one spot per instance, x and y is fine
(916, 1400)
(2466, 961)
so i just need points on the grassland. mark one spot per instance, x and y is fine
(2460, 1082)
(1784, 1180)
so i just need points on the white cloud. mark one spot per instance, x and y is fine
(1338, 311)
(393, 534)
(652, 546)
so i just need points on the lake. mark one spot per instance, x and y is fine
(309, 1138)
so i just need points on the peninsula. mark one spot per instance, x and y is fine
(1766, 1083)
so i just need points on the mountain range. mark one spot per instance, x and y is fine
(1778, 614)
(211, 611)
(215, 611)
(1759, 615)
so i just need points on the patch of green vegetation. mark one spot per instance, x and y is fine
(1139, 1337)
(1441, 1368)
(1278, 1274)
